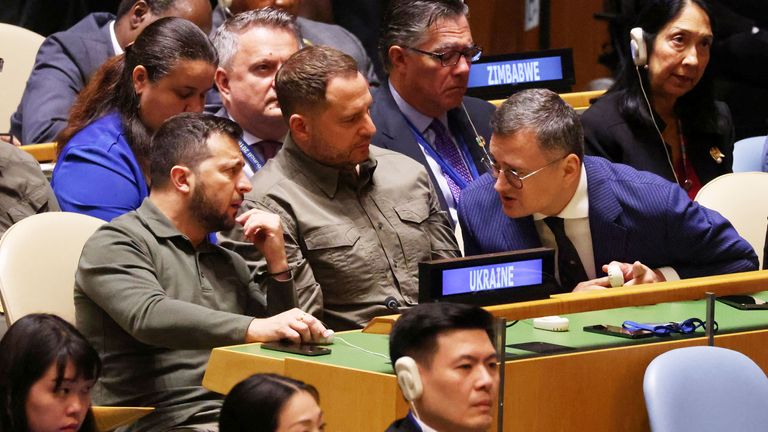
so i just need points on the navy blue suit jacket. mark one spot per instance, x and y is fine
(405, 424)
(64, 64)
(633, 215)
(392, 131)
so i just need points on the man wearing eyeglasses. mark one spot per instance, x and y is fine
(543, 191)
(421, 111)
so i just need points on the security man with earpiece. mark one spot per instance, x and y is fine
(447, 368)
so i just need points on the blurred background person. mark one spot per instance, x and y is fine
(47, 370)
(101, 168)
(67, 60)
(661, 115)
(312, 32)
(271, 403)
(252, 46)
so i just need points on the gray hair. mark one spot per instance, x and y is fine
(226, 37)
(406, 22)
(556, 124)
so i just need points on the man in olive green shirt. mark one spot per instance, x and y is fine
(24, 190)
(357, 219)
(153, 295)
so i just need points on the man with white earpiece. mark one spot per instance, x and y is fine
(446, 367)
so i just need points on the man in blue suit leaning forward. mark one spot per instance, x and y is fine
(543, 191)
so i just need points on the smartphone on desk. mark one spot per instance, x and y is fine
(744, 302)
(294, 348)
(618, 331)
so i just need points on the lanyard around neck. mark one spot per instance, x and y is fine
(444, 165)
(253, 160)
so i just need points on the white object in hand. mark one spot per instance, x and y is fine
(615, 276)
(323, 340)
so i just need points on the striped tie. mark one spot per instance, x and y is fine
(450, 153)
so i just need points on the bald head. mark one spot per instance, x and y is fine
(134, 15)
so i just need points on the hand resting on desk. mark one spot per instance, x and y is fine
(294, 325)
(636, 273)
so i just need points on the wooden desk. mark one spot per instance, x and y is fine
(560, 304)
(597, 388)
(580, 101)
(45, 152)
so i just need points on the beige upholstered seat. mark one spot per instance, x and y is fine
(738, 197)
(38, 260)
(18, 48)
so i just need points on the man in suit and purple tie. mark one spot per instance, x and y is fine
(421, 111)
(252, 46)
(543, 191)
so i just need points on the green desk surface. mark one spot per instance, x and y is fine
(729, 319)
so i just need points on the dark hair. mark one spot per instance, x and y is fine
(159, 48)
(415, 332)
(30, 346)
(183, 140)
(157, 7)
(696, 108)
(254, 404)
(557, 126)
(226, 38)
(301, 82)
(406, 22)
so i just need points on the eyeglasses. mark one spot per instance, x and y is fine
(451, 57)
(663, 329)
(512, 177)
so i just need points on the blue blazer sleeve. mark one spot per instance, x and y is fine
(98, 175)
(704, 241)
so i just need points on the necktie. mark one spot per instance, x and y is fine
(268, 148)
(569, 264)
(450, 153)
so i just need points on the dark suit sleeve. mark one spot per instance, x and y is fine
(703, 240)
(470, 242)
(364, 64)
(51, 90)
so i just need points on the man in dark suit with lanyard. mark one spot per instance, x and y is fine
(252, 46)
(421, 111)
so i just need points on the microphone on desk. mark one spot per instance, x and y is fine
(392, 304)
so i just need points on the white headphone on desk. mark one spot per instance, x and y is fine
(408, 378)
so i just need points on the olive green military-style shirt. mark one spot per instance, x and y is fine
(24, 190)
(353, 239)
(154, 306)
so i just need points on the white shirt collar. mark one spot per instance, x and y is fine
(419, 120)
(113, 37)
(248, 137)
(578, 206)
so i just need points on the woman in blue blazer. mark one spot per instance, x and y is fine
(101, 168)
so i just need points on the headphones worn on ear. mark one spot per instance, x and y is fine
(408, 378)
(640, 58)
(638, 47)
